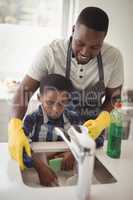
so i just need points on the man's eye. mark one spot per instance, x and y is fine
(80, 44)
(50, 103)
(96, 48)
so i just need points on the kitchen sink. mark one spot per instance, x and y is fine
(66, 178)
(101, 175)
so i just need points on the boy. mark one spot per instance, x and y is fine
(39, 126)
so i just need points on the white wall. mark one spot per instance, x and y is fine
(18, 46)
(120, 30)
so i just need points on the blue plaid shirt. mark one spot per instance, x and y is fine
(38, 127)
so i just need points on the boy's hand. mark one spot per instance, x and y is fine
(46, 176)
(68, 160)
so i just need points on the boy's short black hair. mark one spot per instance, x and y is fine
(94, 18)
(55, 81)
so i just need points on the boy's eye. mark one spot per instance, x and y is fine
(61, 103)
(50, 103)
(65, 102)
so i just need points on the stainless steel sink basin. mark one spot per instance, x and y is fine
(101, 175)
(66, 178)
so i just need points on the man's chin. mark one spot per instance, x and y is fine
(83, 62)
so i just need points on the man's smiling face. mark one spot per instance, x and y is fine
(86, 43)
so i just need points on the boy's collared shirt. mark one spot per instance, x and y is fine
(37, 124)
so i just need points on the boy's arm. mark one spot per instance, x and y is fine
(46, 176)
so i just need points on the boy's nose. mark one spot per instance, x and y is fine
(55, 109)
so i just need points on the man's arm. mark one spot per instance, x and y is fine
(20, 101)
(96, 126)
(112, 95)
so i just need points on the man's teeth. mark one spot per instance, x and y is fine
(84, 57)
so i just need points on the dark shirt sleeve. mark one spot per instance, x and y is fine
(29, 123)
(73, 117)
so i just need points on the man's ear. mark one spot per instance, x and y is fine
(73, 29)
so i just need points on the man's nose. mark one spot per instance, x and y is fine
(85, 51)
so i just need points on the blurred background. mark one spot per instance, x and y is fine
(27, 25)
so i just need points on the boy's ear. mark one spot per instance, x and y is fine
(73, 29)
(38, 96)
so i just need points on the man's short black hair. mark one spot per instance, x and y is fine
(94, 18)
(55, 82)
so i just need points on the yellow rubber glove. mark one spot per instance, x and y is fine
(95, 127)
(17, 141)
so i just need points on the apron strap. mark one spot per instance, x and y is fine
(68, 59)
(100, 67)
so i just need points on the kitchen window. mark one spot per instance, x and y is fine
(25, 26)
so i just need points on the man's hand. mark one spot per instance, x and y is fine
(95, 127)
(112, 95)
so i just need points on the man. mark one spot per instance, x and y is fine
(94, 67)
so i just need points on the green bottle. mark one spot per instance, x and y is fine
(115, 132)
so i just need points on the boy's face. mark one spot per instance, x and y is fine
(54, 102)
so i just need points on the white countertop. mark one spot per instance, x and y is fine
(121, 169)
